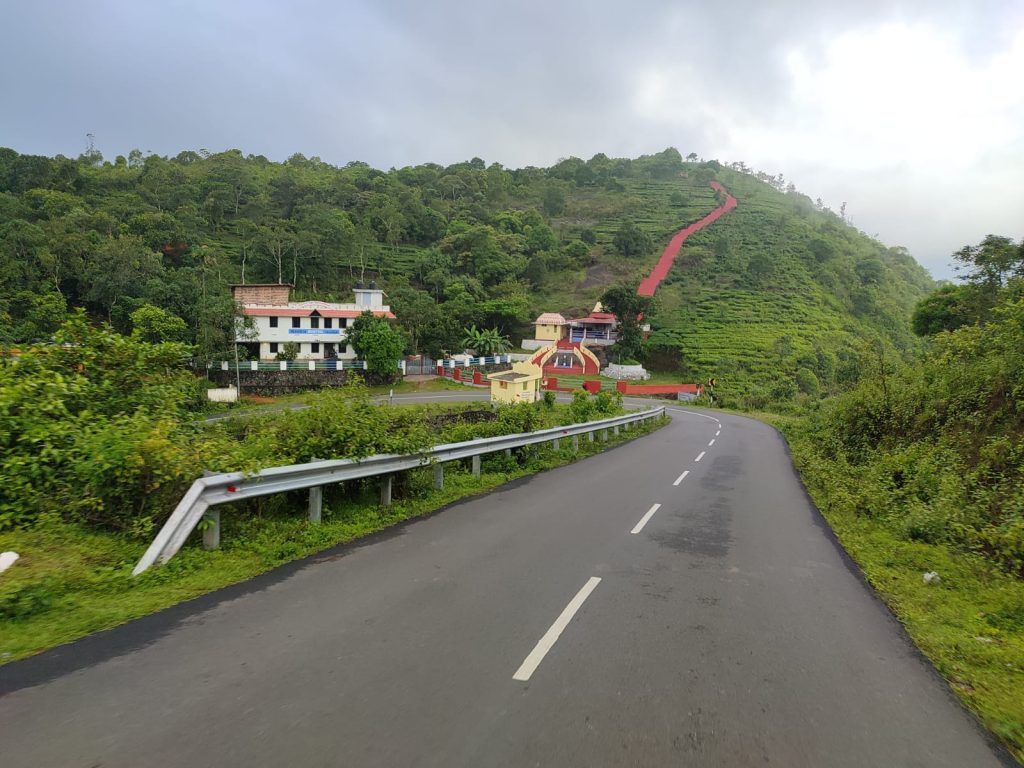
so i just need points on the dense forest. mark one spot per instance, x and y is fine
(779, 285)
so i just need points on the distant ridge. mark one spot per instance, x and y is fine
(650, 283)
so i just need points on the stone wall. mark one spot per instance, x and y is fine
(269, 383)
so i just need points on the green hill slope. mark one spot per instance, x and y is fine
(774, 286)
(777, 286)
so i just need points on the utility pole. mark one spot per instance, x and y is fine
(238, 375)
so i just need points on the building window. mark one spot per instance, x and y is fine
(273, 346)
(314, 348)
(273, 322)
(328, 322)
(524, 386)
(314, 322)
(503, 385)
(296, 322)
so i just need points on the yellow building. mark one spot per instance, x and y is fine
(520, 385)
(550, 327)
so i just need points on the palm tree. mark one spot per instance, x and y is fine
(486, 342)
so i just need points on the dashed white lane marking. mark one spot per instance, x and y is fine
(643, 520)
(718, 433)
(712, 442)
(529, 666)
(681, 477)
(700, 457)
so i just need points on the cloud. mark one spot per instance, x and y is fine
(911, 112)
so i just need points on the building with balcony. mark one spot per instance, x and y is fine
(319, 328)
(599, 327)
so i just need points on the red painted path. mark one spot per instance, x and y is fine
(650, 283)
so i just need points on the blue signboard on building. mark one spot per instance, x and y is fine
(316, 331)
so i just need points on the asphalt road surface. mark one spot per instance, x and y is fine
(675, 601)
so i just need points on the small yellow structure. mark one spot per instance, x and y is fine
(520, 385)
(550, 327)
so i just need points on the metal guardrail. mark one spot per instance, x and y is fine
(217, 489)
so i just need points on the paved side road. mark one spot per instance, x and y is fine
(674, 601)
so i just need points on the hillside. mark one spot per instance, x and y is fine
(776, 285)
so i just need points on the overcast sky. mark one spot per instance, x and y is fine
(912, 113)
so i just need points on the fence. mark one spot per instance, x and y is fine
(218, 489)
(296, 365)
(466, 362)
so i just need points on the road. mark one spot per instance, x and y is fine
(563, 620)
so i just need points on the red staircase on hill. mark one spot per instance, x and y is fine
(650, 283)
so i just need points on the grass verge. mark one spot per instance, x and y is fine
(74, 581)
(970, 625)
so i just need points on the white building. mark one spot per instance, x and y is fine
(317, 327)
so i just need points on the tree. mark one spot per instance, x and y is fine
(629, 307)
(630, 240)
(486, 342)
(554, 200)
(154, 325)
(945, 310)
(870, 271)
(36, 316)
(992, 262)
(119, 269)
(807, 382)
(381, 346)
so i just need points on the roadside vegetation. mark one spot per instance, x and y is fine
(100, 440)
(919, 468)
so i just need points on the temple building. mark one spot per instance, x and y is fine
(599, 328)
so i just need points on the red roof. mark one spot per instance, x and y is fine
(292, 312)
(597, 317)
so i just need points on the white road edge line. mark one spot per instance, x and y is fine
(694, 413)
(681, 477)
(530, 664)
(712, 442)
(643, 520)
(701, 456)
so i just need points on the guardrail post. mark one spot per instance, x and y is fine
(556, 444)
(508, 453)
(439, 476)
(575, 443)
(385, 490)
(590, 437)
(604, 435)
(476, 466)
(615, 430)
(211, 533)
(316, 503)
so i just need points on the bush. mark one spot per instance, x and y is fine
(549, 399)
(288, 351)
(581, 408)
